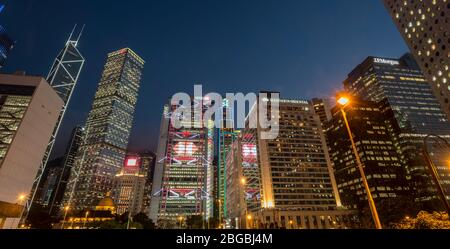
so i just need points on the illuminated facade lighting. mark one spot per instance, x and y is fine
(375, 144)
(226, 137)
(183, 180)
(108, 128)
(129, 187)
(408, 101)
(292, 173)
(424, 26)
(6, 45)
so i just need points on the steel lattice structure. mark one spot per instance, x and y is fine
(187, 173)
(63, 77)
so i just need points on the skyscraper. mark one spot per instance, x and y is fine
(68, 161)
(6, 45)
(243, 179)
(399, 85)
(63, 77)
(402, 83)
(322, 109)
(226, 137)
(50, 182)
(108, 128)
(183, 179)
(424, 26)
(285, 182)
(376, 147)
(29, 110)
(147, 164)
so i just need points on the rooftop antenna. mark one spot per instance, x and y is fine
(79, 35)
(71, 37)
(71, 34)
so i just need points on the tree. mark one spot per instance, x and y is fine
(425, 220)
(114, 224)
(214, 222)
(108, 225)
(194, 222)
(144, 220)
(39, 218)
(391, 211)
(122, 218)
(166, 224)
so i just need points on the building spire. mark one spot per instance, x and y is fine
(72, 35)
(81, 32)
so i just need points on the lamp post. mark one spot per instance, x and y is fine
(181, 220)
(249, 220)
(433, 169)
(220, 214)
(66, 210)
(85, 219)
(21, 198)
(343, 102)
(248, 217)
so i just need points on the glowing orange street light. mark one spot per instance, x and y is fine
(181, 220)
(66, 210)
(249, 217)
(243, 181)
(22, 197)
(343, 101)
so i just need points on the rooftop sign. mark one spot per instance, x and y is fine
(386, 61)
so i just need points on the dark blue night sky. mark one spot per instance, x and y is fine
(301, 48)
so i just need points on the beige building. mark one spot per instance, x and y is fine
(270, 182)
(29, 109)
(296, 219)
(128, 191)
(425, 28)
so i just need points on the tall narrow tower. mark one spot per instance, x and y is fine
(108, 129)
(227, 135)
(63, 78)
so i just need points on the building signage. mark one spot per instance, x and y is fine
(386, 61)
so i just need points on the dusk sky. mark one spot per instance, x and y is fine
(303, 49)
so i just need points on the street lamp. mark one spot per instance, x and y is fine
(249, 219)
(181, 220)
(248, 216)
(433, 169)
(21, 198)
(343, 102)
(66, 210)
(220, 214)
(85, 219)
